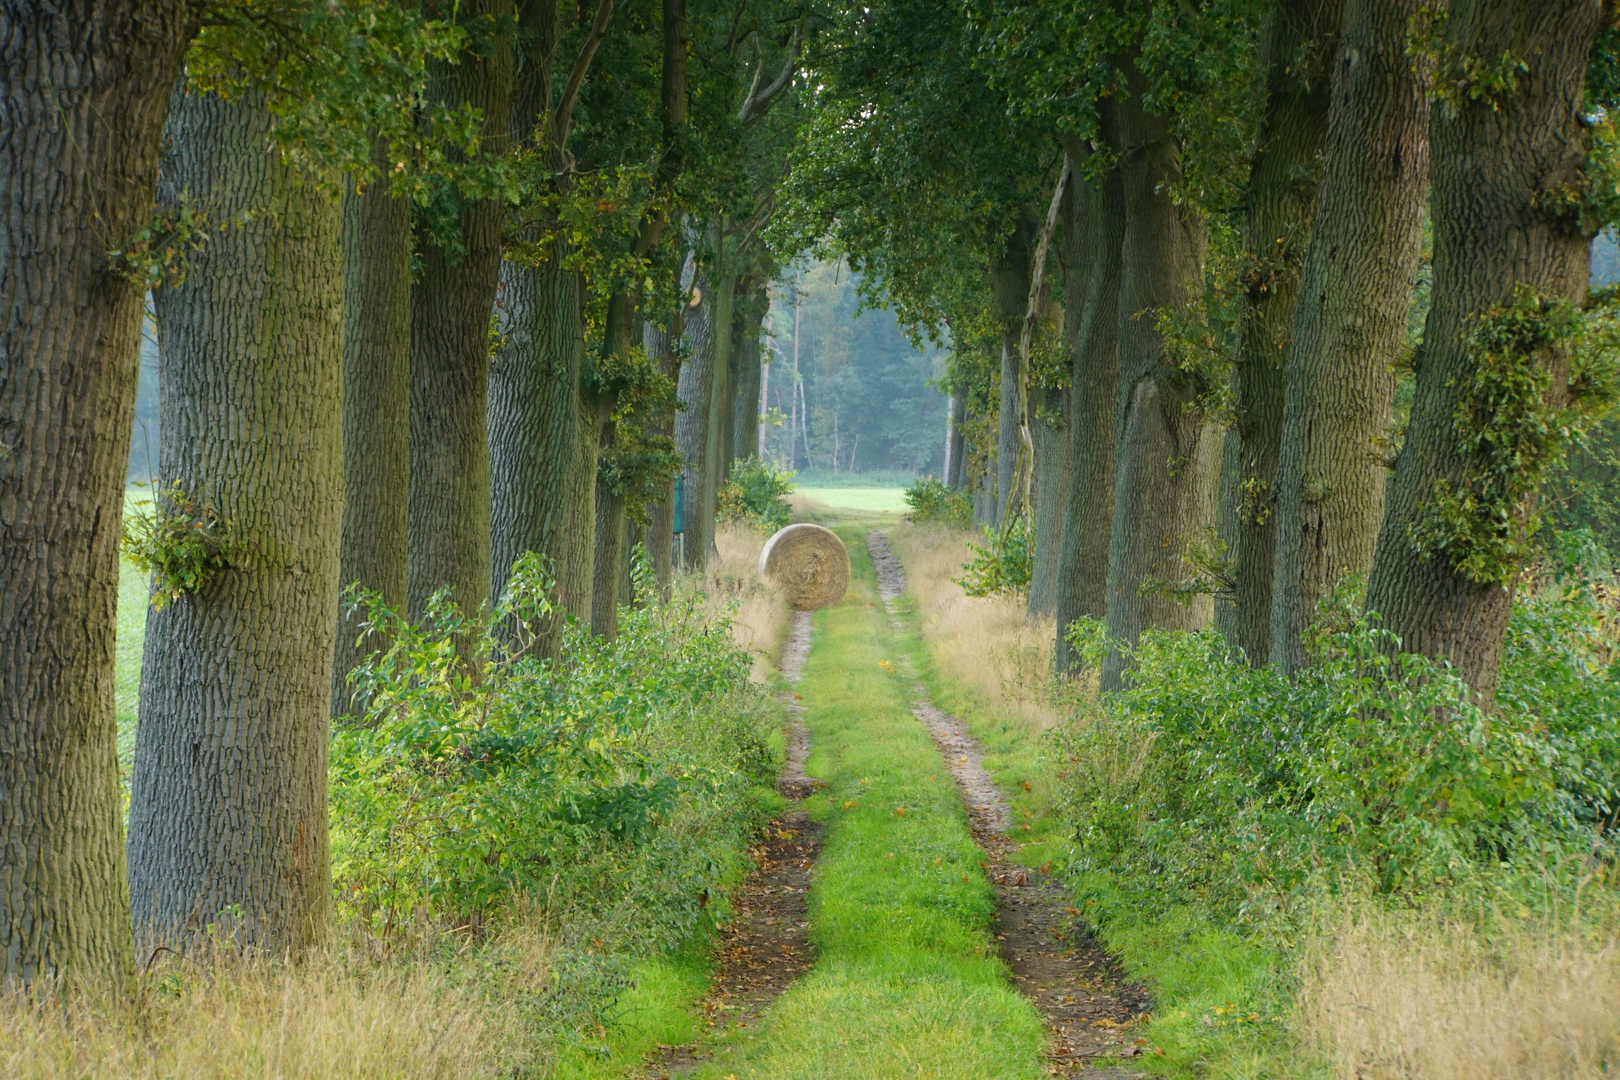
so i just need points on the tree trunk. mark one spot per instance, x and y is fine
(1093, 231)
(659, 344)
(1508, 263)
(1350, 323)
(608, 565)
(1282, 193)
(227, 816)
(955, 444)
(449, 506)
(84, 88)
(543, 435)
(751, 309)
(721, 319)
(695, 388)
(1165, 459)
(1009, 282)
(376, 408)
(1049, 427)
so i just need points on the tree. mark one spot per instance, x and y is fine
(84, 113)
(459, 254)
(228, 800)
(1093, 231)
(1350, 324)
(1298, 42)
(376, 401)
(1516, 201)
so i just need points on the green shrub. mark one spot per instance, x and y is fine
(1003, 565)
(1241, 790)
(181, 544)
(932, 501)
(621, 776)
(754, 493)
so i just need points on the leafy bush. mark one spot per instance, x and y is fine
(1240, 789)
(1003, 565)
(754, 493)
(932, 500)
(181, 544)
(621, 776)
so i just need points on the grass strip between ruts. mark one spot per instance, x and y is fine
(907, 982)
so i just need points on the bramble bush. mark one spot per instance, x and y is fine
(753, 494)
(932, 501)
(625, 776)
(1243, 792)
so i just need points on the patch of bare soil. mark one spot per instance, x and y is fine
(767, 945)
(1055, 960)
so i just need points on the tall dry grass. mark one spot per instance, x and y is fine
(333, 1016)
(1435, 996)
(990, 646)
(759, 622)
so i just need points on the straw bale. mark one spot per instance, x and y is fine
(808, 563)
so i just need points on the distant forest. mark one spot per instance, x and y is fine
(872, 396)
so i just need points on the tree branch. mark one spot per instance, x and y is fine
(759, 101)
(562, 119)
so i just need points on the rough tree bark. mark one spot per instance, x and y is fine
(228, 799)
(1009, 281)
(1049, 427)
(84, 87)
(722, 316)
(449, 505)
(956, 446)
(660, 346)
(608, 565)
(1299, 37)
(1093, 231)
(1507, 261)
(376, 407)
(751, 308)
(694, 390)
(1350, 321)
(545, 425)
(1166, 454)
(543, 434)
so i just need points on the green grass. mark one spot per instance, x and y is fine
(889, 500)
(907, 982)
(1207, 982)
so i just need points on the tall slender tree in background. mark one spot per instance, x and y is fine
(228, 801)
(1350, 322)
(1010, 272)
(1296, 50)
(1500, 367)
(459, 252)
(85, 87)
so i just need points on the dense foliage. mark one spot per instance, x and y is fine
(1243, 791)
(753, 493)
(932, 501)
(621, 777)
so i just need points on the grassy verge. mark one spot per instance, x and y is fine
(1220, 999)
(907, 982)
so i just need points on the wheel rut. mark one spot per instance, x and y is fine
(1055, 961)
(767, 944)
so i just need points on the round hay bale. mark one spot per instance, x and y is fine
(808, 563)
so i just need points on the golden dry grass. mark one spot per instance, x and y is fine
(329, 1017)
(760, 620)
(1403, 996)
(989, 645)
